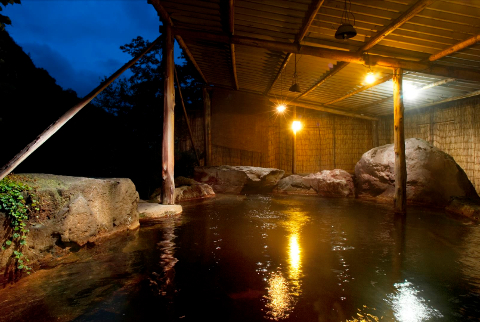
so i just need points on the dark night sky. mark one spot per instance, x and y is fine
(77, 41)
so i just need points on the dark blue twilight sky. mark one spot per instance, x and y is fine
(77, 41)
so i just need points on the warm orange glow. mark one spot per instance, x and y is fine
(296, 126)
(280, 302)
(370, 78)
(281, 108)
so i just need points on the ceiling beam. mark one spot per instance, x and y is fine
(343, 56)
(458, 46)
(404, 17)
(450, 99)
(361, 89)
(231, 30)
(165, 17)
(383, 100)
(329, 110)
(310, 16)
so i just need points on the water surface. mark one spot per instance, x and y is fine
(264, 257)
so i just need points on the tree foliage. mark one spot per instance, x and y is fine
(4, 20)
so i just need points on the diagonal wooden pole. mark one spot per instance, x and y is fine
(53, 128)
(168, 152)
(186, 116)
(400, 199)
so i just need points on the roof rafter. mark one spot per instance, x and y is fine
(435, 84)
(166, 19)
(310, 16)
(363, 88)
(322, 108)
(437, 70)
(457, 47)
(407, 15)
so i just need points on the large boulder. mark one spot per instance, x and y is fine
(74, 211)
(328, 183)
(185, 189)
(433, 176)
(239, 179)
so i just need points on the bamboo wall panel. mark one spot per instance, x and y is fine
(452, 128)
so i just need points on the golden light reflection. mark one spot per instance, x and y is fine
(282, 292)
(295, 271)
(280, 302)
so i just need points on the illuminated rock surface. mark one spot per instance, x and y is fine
(328, 183)
(151, 212)
(433, 176)
(75, 211)
(239, 179)
(186, 189)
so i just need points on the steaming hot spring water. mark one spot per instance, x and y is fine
(266, 257)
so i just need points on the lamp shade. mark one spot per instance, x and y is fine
(345, 31)
(295, 88)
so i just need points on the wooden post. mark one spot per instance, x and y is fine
(53, 128)
(168, 162)
(186, 117)
(432, 125)
(207, 113)
(374, 134)
(334, 139)
(400, 199)
(294, 143)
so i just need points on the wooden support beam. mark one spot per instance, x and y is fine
(400, 199)
(364, 88)
(207, 114)
(437, 70)
(165, 17)
(404, 17)
(383, 100)
(279, 73)
(338, 67)
(329, 110)
(168, 143)
(294, 143)
(450, 99)
(457, 47)
(407, 15)
(231, 27)
(186, 117)
(53, 128)
(310, 16)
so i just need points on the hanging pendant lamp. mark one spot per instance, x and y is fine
(346, 30)
(295, 87)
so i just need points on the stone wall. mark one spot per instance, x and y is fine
(451, 127)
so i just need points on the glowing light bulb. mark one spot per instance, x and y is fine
(296, 126)
(370, 78)
(281, 108)
(410, 92)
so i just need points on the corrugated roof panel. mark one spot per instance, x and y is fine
(437, 27)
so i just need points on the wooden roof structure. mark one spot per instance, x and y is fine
(249, 45)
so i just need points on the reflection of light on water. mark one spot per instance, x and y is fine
(364, 316)
(280, 302)
(295, 264)
(408, 306)
(282, 292)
